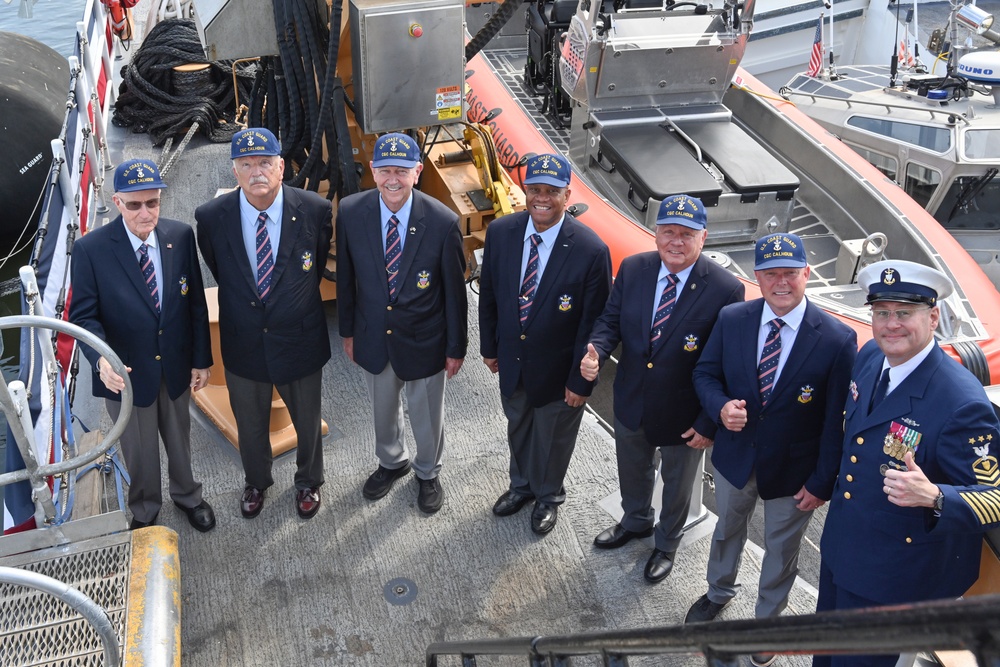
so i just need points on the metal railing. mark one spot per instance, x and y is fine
(13, 401)
(971, 624)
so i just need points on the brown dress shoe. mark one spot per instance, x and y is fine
(307, 502)
(252, 502)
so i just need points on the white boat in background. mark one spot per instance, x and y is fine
(934, 130)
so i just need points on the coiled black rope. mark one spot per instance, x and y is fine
(155, 98)
(492, 27)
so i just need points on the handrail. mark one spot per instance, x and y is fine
(969, 624)
(13, 413)
(90, 610)
(788, 92)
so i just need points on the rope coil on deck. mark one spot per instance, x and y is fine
(163, 101)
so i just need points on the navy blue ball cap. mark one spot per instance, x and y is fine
(134, 175)
(396, 150)
(779, 251)
(254, 141)
(682, 210)
(548, 169)
(904, 282)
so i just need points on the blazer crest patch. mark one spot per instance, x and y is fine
(854, 391)
(565, 303)
(806, 394)
(985, 468)
(423, 280)
(307, 261)
(690, 343)
(899, 440)
(183, 282)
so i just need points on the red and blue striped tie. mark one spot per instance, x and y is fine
(392, 256)
(530, 283)
(149, 274)
(767, 370)
(265, 258)
(663, 310)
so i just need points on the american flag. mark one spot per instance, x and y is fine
(816, 57)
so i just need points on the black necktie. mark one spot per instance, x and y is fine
(880, 390)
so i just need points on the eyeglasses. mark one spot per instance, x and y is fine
(151, 204)
(902, 314)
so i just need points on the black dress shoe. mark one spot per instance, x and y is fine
(510, 503)
(136, 524)
(763, 659)
(431, 495)
(658, 566)
(380, 481)
(307, 502)
(704, 610)
(252, 502)
(201, 516)
(543, 518)
(617, 536)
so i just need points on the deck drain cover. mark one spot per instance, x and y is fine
(400, 591)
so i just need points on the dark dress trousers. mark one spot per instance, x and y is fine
(283, 342)
(111, 300)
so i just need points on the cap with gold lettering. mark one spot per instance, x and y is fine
(779, 251)
(682, 210)
(548, 169)
(137, 174)
(396, 150)
(254, 141)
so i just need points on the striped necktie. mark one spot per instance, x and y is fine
(530, 283)
(149, 274)
(393, 253)
(265, 258)
(663, 310)
(767, 370)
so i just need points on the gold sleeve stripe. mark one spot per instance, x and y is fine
(986, 504)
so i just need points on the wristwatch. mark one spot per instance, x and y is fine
(939, 502)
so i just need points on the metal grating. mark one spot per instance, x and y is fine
(37, 630)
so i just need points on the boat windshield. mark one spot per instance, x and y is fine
(936, 139)
(982, 145)
(972, 203)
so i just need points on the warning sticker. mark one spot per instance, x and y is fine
(448, 102)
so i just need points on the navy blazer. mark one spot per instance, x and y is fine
(795, 440)
(111, 300)
(653, 387)
(869, 543)
(285, 339)
(429, 320)
(545, 357)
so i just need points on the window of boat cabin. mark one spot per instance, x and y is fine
(971, 203)
(981, 145)
(921, 182)
(936, 139)
(883, 163)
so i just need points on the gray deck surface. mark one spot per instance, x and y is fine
(278, 590)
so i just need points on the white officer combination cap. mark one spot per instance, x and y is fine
(904, 282)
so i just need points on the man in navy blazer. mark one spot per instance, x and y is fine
(545, 279)
(662, 309)
(918, 477)
(403, 312)
(266, 244)
(775, 374)
(137, 286)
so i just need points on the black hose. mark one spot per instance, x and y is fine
(492, 27)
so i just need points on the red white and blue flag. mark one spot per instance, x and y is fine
(816, 56)
(52, 268)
